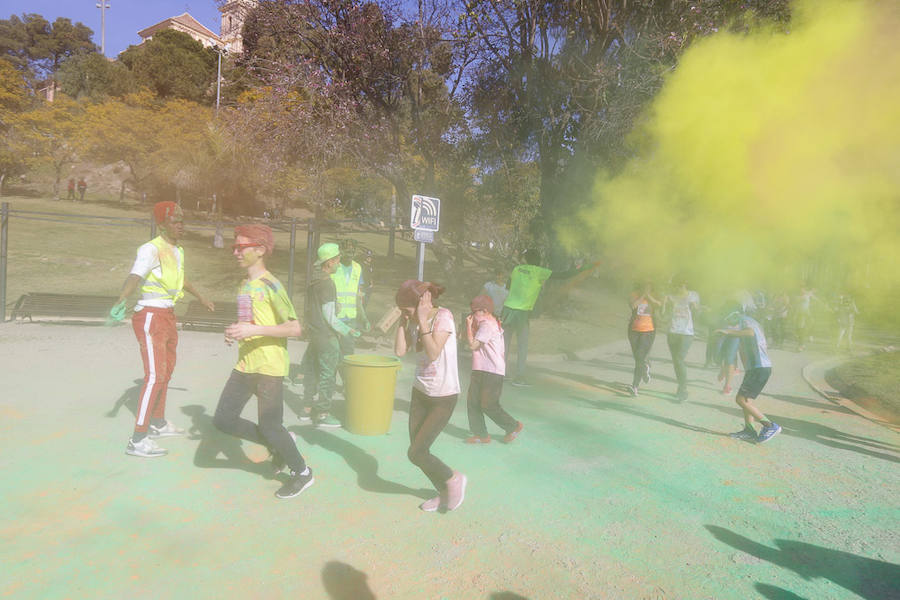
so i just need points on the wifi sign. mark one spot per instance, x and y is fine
(425, 213)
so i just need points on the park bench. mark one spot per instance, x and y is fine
(62, 306)
(197, 317)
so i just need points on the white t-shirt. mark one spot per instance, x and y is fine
(682, 320)
(148, 260)
(439, 377)
(498, 293)
(489, 357)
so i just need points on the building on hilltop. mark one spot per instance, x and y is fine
(234, 12)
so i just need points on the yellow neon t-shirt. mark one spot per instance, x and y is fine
(271, 306)
(525, 285)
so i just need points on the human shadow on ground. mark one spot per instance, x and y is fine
(213, 443)
(811, 403)
(776, 593)
(129, 399)
(616, 387)
(869, 578)
(822, 434)
(606, 405)
(343, 582)
(364, 464)
(506, 596)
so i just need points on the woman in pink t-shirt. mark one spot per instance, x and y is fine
(431, 331)
(485, 338)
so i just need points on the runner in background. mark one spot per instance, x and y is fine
(159, 272)
(349, 284)
(846, 319)
(681, 305)
(641, 332)
(485, 337)
(429, 331)
(266, 318)
(496, 289)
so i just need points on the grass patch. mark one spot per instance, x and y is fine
(872, 381)
(68, 257)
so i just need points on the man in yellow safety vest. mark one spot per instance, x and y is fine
(349, 286)
(159, 272)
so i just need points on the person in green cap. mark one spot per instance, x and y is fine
(525, 284)
(324, 329)
(349, 285)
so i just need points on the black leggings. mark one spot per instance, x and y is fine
(427, 418)
(484, 399)
(641, 342)
(270, 432)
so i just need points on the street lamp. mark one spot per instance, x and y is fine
(220, 52)
(103, 5)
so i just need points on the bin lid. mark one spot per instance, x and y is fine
(372, 360)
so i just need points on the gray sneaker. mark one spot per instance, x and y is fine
(326, 421)
(146, 448)
(748, 434)
(167, 430)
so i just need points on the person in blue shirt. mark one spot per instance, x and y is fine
(758, 370)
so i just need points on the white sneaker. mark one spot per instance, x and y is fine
(145, 448)
(167, 430)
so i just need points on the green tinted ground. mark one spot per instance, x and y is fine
(603, 495)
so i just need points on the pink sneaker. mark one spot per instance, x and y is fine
(456, 490)
(509, 437)
(475, 439)
(431, 505)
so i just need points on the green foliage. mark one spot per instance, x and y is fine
(173, 65)
(93, 76)
(37, 47)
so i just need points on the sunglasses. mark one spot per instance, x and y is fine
(242, 247)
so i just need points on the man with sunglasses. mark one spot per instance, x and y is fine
(158, 271)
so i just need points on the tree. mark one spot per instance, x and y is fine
(14, 98)
(37, 47)
(92, 76)
(173, 65)
(49, 132)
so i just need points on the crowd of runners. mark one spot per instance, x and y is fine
(335, 316)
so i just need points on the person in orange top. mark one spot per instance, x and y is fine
(641, 333)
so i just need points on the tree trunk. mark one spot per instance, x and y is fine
(2, 179)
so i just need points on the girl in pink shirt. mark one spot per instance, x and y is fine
(485, 338)
(429, 330)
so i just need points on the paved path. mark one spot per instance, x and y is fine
(603, 496)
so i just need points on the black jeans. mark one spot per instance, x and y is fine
(270, 432)
(641, 342)
(679, 344)
(427, 418)
(484, 399)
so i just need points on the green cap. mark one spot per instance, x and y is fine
(327, 252)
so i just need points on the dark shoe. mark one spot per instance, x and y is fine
(646, 377)
(747, 434)
(767, 433)
(520, 382)
(326, 421)
(295, 485)
(512, 435)
(632, 391)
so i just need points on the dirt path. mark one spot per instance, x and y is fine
(603, 496)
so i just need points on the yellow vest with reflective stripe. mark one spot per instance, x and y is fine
(347, 289)
(170, 285)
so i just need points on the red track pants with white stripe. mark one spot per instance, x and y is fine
(157, 336)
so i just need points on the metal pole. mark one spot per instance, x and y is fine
(310, 252)
(291, 260)
(393, 222)
(218, 79)
(420, 261)
(4, 230)
(102, 5)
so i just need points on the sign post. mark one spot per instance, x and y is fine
(425, 219)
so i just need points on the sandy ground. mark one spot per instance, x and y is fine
(603, 495)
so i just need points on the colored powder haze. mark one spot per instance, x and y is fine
(765, 158)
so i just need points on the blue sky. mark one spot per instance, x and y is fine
(124, 18)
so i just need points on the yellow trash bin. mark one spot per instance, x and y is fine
(369, 383)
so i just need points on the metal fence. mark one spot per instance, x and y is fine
(314, 229)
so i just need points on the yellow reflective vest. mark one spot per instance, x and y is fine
(170, 285)
(347, 289)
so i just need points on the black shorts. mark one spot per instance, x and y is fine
(754, 381)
